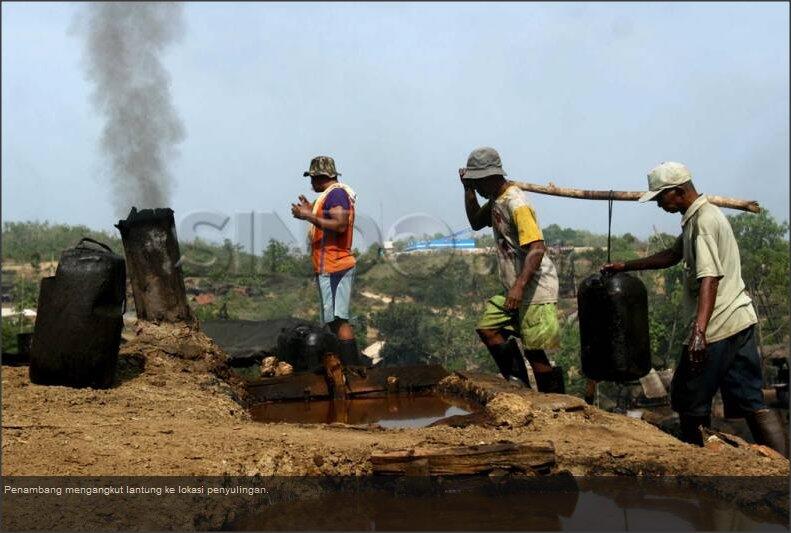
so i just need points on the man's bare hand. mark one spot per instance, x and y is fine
(696, 349)
(468, 184)
(303, 209)
(514, 298)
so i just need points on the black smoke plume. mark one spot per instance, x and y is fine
(124, 45)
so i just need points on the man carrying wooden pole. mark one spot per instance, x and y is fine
(528, 307)
(720, 353)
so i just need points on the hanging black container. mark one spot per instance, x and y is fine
(613, 317)
(304, 346)
(79, 320)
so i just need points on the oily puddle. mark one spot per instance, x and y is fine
(489, 505)
(391, 411)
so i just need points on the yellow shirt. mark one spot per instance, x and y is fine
(709, 249)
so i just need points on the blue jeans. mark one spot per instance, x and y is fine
(733, 366)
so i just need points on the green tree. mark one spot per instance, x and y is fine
(23, 240)
(409, 332)
(10, 329)
(25, 293)
(764, 250)
(276, 258)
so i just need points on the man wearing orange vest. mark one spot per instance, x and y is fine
(331, 219)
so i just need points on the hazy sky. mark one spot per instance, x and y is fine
(584, 95)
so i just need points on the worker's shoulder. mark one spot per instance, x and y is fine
(710, 218)
(338, 196)
(514, 197)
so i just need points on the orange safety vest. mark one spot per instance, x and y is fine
(332, 251)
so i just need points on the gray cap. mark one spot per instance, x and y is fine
(483, 162)
(665, 175)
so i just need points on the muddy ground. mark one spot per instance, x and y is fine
(174, 416)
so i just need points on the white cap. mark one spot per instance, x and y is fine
(664, 176)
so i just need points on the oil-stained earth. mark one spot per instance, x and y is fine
(176, 414)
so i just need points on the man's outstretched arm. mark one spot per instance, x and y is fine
(664, 259)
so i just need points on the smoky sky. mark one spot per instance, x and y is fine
(585, 95)
(124, 42)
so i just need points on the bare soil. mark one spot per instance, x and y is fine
(177, 411)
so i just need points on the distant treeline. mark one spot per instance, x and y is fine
(41, 241)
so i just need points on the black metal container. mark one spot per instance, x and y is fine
(80, 318)
(304, 346)
(613, 318)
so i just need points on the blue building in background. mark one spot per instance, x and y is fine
(448, 242)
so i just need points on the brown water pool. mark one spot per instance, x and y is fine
(389, 412)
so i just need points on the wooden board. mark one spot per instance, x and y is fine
(292, 387)
(484, 458)
(411, 378)
(360, 381)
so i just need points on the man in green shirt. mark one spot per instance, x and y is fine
(720, 352)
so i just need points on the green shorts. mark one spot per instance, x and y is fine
(537, 324)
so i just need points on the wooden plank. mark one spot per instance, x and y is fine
(411, 377)
(290, 387)
(534, 457)
(359, 381)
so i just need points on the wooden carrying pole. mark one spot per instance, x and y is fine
(628, 196)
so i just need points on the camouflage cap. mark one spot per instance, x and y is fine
(322, 165)
(483, 162)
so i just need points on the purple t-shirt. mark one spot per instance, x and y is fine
(336, 197)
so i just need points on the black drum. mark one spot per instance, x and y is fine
(613, 317)
(80, 318)
(304, 346)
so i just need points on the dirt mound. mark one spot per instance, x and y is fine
(184, 341)
(590, 441)
(174, 415)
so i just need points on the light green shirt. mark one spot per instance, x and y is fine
(709, 249)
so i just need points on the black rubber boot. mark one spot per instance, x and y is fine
(551, 381)
(501, 359)
(767, 430)
(690, 428)
(347, 350)
(512, 353)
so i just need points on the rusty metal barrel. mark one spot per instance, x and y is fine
(79, 319)
(152, 256)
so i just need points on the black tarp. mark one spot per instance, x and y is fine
(248, 341)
